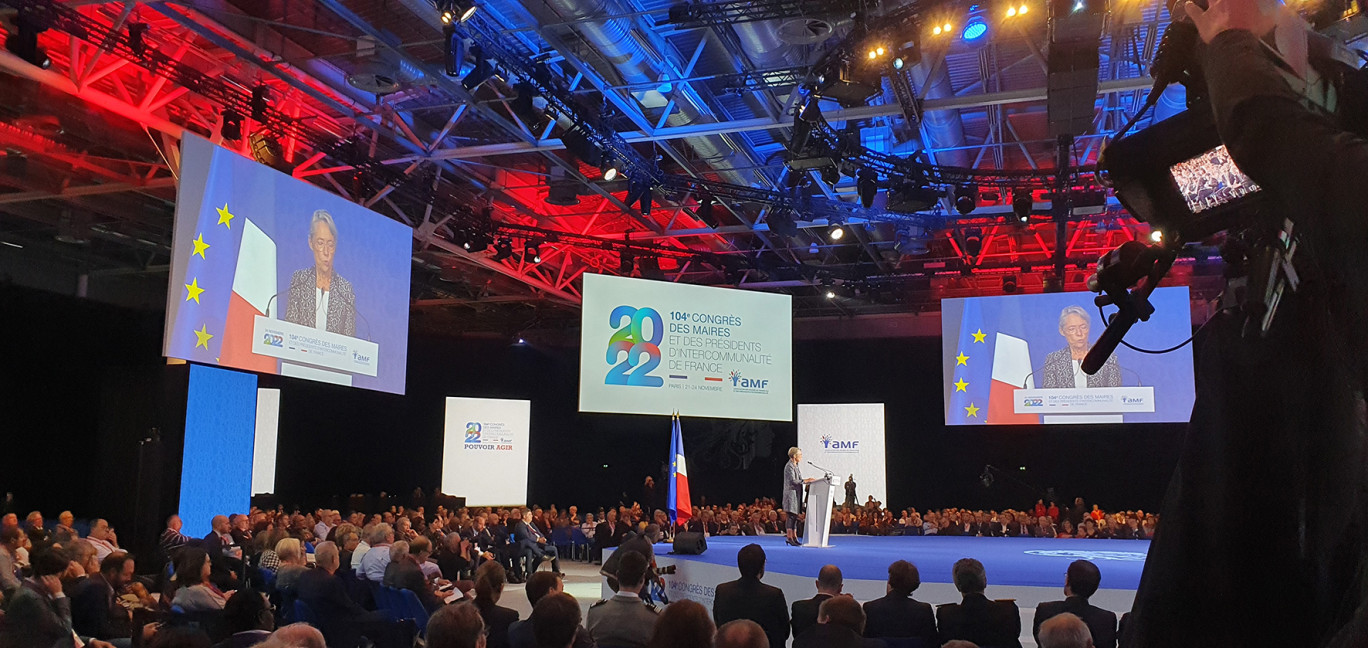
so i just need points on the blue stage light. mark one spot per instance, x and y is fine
(974, 30)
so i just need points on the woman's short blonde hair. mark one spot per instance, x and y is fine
(289, 549)
(793, 452)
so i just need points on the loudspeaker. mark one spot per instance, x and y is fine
(690, 542)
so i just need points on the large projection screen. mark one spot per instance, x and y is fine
(274, 275)
(484, 456)
(655, 347)
(847, 440)
(1012, 361)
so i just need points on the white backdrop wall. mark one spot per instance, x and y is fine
(264, 446)
(484, 455)
(846, 439)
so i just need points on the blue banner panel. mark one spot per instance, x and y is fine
(220, 428)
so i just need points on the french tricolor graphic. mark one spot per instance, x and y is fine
(679, 504)
(1011, 371)
(254, 285)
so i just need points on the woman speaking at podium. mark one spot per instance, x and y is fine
(793, 494)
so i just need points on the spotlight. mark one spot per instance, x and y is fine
(1021, 11)
(626, 263)
(135, 38)
(610, 172)
(232, 125)
(522, 341)
(867, 184)
(974, 30)
(23, 41)
(966, 199)
(447, 17)
(973, 241)
(1022, 205)
(477, 242)
(831, 175)
(898, 63)
(1157, 236)
(1011, 12)
(532, 251)
(947, 28)
(470, 11)
(937, 31)
(458, 11)
(1009, 285)
(481, 72)
(503, 249)
(872, 55)
(1079, 6)
(453, 53)
(813, 249)
(705, 212)
(646, 201)
(837, 233)
(880, 50)
(261, 102)
(830, 294)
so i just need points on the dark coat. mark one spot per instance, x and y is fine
(748, 598)
(805, 613)
(1101, 622)
(900, 616)
(995, 624)
(826, 635)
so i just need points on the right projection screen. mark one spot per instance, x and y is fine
(1013, 360)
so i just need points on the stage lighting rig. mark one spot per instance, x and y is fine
(23, 41)
(730, 12)
(532, 252)
(456, 11)
(966, 199)
(705, 212)
(1022, 204)
(232, 125)
(482, 71)
(136, 43)
(867, 185)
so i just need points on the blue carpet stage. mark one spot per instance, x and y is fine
(1014, 562)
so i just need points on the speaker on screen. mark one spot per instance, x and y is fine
(690, 543)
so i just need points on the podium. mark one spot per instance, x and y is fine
(315, 354)
(1094, 405)
(817, 530)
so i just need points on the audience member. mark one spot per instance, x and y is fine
(532, 546)
(456, 626)
(624, 620)
(404, 573)
(65, 532)
(94, 609)
(897, 615)
(194, 592)
(683, 624)
(247, 615)
(37, 533)
(1080, 582)
(741, 633)
(975, 618)
(555, 621)
(11, 540)
(295, 635)
(840, 624)
(1064, 630)
(748, 598)
(829, 584)
(224, 556)
(101, 537)
(377, 558)
(38, 613)
(341, 619)
(489, 584)
(607, 534)
(293, 563)
(172, 538)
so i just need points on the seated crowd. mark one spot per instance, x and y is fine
(266, 568)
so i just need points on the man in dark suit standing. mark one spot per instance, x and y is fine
(748, 598)
(897, 614)
(829, 584)
(531, 545)
(975, 618)
(1080, 582)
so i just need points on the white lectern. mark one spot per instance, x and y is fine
(817, 531)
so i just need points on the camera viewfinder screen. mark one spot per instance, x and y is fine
(1211, 180)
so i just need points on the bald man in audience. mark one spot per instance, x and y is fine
(829, 584)
(295, 635)
(741, 633)
(1065, 631)
(840, 624)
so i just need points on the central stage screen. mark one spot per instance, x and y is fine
(655, 347)
(1013, 360)
(274, 275)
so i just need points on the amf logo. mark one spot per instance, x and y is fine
(838, 445)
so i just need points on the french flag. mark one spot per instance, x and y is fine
(679, 504)
(1011, 371)
(254, 285)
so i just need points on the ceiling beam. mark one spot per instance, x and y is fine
(87, 190)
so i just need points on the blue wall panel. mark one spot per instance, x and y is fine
(220, 426)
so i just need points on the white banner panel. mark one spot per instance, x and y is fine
(264, 447)
(847, 440)
(655, 347)
(484, 457)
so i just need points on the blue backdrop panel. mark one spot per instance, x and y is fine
(220, 426)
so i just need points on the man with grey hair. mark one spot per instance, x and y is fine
(1065, 631)
(1063, 368)
(318, 296)
(375, 561)
(741, 633)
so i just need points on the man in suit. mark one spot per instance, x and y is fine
(456, 626)
(531, 545)
(829, 584)
(38, 613)
(403, 571)
(840, 623)
(609, 533)
(975, 618)
(318, 296)
(93, 610)
(520, 634)
(1080, 582)
(748, 598)
(225, 558)
(897, 614)
(341, 619)
(624, 619)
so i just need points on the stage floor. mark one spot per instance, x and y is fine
(1019, 562)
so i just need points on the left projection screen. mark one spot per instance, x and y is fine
(274, 275)
(484, 453)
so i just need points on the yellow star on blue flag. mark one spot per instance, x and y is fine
(225, 216)
(200, 246)
(961, 359)
(202, 336)
(971, 410)
(193, 290)
(978, 337)
(960, 385)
